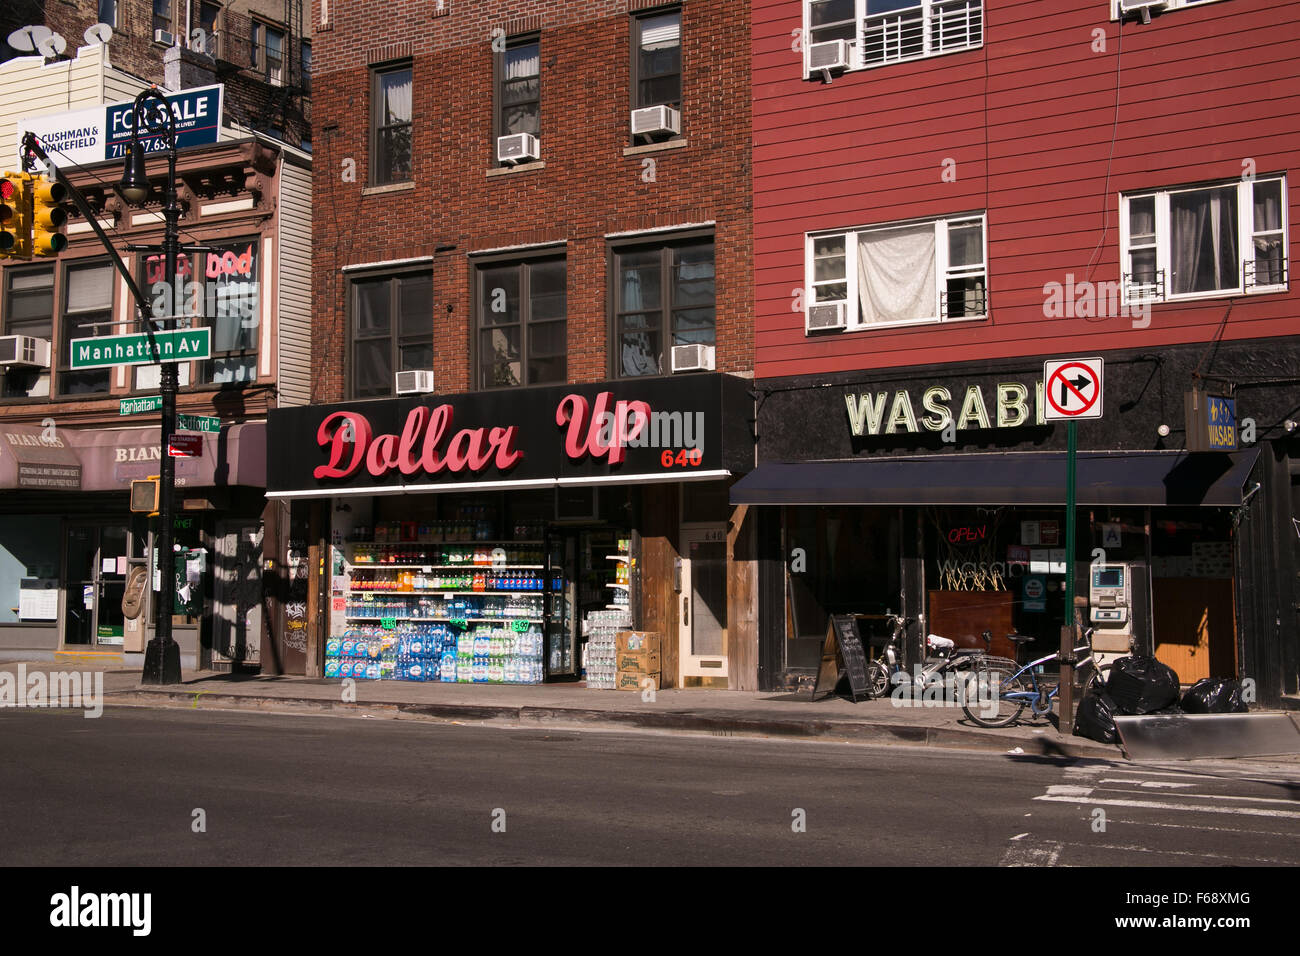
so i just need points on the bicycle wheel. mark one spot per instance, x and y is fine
(988, 703)
(1096, 682)
(878, 679)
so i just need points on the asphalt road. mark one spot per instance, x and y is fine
(124, 790)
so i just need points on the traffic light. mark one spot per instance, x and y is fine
(48, 216)
(145, 494)
(11, 204)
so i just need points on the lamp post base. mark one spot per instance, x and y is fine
(162, 662)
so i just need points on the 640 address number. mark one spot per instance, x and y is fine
(692, 457)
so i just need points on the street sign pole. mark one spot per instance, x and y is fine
(1068, 635)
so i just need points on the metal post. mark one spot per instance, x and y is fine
(1068, 635)
(162, 662)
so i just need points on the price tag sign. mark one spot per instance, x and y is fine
(459, 622)
(367, 597)
(519, 626)
(388, 623)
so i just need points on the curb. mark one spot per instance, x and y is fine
(854, 730)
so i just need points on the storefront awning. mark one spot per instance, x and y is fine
(1155, 478)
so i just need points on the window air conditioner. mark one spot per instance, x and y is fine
(829, 316)
(164, 37)
(518, 148)
(656, 119)
(693, 358)
(832, 55)
(24, 350)
(415, 382)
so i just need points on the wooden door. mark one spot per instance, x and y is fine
(1194, 623)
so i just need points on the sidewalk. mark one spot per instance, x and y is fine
(717, 712)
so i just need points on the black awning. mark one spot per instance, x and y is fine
(1153, 478)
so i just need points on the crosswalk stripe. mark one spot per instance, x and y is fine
(1158, 805)
(1207, 796)
(1191, 826)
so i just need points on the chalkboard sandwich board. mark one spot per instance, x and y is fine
(842, 656)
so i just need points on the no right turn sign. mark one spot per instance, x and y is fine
(1072, 388)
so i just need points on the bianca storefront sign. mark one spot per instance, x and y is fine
(692, 427)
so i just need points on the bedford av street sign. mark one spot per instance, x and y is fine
(105, 351)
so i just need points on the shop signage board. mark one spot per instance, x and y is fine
(685, 426)
(1211, 421)
(842, 656)
(107, 351)
(1073, 389)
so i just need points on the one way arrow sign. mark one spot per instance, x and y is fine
(1072, 388)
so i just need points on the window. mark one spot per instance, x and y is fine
(28, 310)
(208, 13)
(521, 323)
(232, 309)
(902, 273)
(267, 52)
(305, 61)
(87, 311)
(392, 330)
(892, 31)
(108, 12)
(1202, 241)
(519, 89)
(657, 60)
(390, 126)
(664, 296)
(162, 16)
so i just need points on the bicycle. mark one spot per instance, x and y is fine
(1011, 695)
(887, 669)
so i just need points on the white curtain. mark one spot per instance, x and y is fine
(896, 274)
(1205, 240)
(523, 62)
(397, 93)
(662, 32)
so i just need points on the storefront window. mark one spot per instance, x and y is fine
(29, 569)
(838, 561)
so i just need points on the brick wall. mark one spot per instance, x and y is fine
(587, 189)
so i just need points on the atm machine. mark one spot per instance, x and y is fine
(1119, 609)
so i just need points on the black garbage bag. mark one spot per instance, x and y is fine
(1141, 685)
(1214, 695)
(1095, 719)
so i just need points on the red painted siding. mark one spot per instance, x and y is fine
(1028, 118)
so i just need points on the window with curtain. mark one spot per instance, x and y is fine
(87, 312)
(519, 89)
(657, 61)
(881, 32)
(27, 309)
(391, 330)
(664, 295)
(897, 274)
(390, 126)
(522, 310)
(1210, 240)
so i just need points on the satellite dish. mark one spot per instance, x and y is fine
(51, 46)
(98, 33)
(25, 39)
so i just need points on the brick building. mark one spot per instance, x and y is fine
(540, 204)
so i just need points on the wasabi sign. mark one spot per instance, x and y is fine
(179, 345)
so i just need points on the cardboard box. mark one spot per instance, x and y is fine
(637, 641)
(635, 680)
(639, 662)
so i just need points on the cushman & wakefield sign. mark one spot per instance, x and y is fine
(667, 429)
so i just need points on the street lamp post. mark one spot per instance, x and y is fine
(162, 659)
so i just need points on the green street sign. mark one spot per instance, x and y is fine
(137, 406)
(198, 423)
(106, 351)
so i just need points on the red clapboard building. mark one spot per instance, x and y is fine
(947, 194)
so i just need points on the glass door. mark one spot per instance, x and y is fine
(95, 575)
(702, 615)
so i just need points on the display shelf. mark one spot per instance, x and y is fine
(618, 557)
(446, 620)
(616, 585)
(435, 591)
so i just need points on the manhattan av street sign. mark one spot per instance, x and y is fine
(179, 345)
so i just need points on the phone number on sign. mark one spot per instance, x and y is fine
(692, 457)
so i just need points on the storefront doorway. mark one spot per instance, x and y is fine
(702, 630)
(95, 566)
